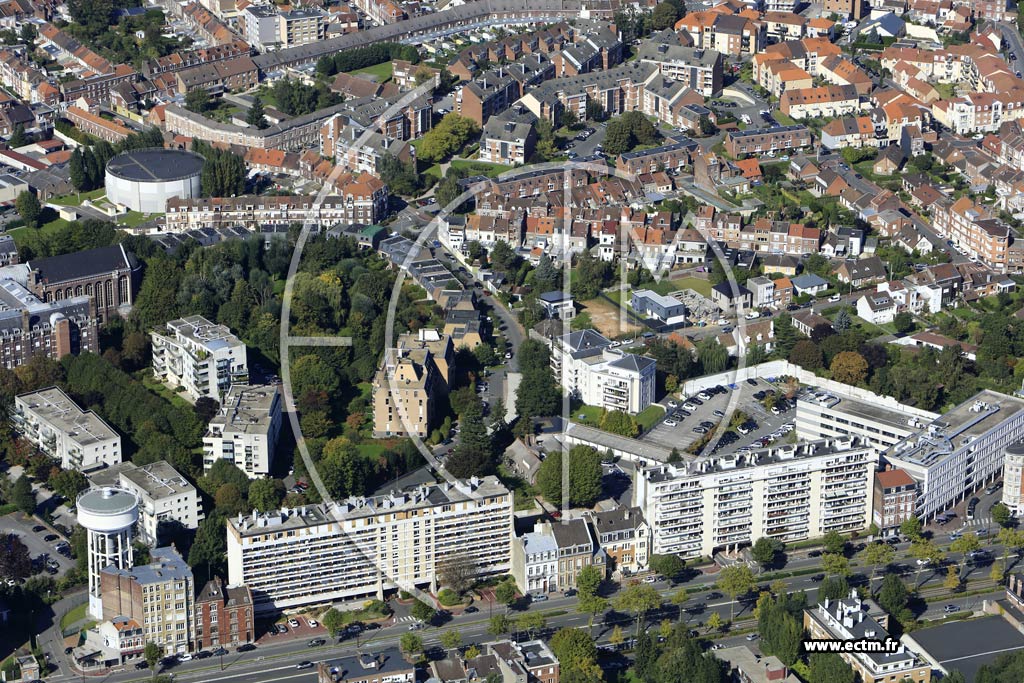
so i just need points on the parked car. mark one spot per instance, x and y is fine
(670, 423)
(538, 597)
(294, 623)
(316, 642)
(834, 298)
(248, 647)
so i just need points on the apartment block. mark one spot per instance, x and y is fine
(961, 451)
(671, 157)
(360, 547)
(979, 111)
(591, 370)
(699, 70)
(31, 327)
(54, 424)
(160, 596)
(302, 26)
(790, 493)
(204, 358)
(246, 430)
(852, 619)
(821, 102)
(760, 140)
(894, 499)
(166, 499)
(974, 231)
(508, 139)
(879, 421)
(404, 390)
(224, 615)
(535, 562)
(729, 34)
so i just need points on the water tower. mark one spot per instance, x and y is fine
(108, 515)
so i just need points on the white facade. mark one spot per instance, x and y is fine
(960, 452)
(164, 495)
(1013, 478)
(108, 516)
(599, 375)
(262, 26)
(143, 180)
(791, 493)
(79, 439)
(357, 548)
(877, 307)
(879, 421)
(246, 430)
(535, 563)
(204, 358)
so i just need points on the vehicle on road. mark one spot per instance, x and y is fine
(670, 423)
(304, 665)
(950, 609)
(248, 647)
(834, 298)
(316, 642)
(538, 597)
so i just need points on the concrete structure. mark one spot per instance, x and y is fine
(1013, 478)
(589, 368)
(791, 493)
(403, 392)
(110, 276)
(108, 516)
(302, 26)
(245, 431)
(54, 424)
(662, 308)
(750, 668)
(144, 179)
(165, 497)
(204, 358)
(879, 421)
(558, 304)
(30, 327)
(261, 26)
(360, 547)
(159, 595)
(958, 453)
(855, 619)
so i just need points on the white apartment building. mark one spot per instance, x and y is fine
(204, 358)
(1013, 478)
(79, 439)
(599, 375)
(791, 493)
(165, 497)
(961, 451)
(246, 429)
(261, 26)
(879, 421)
(357, 548)
(535, 562)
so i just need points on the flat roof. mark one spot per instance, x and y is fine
(85, 428)
(874, 412)
(155, 165)
(247, 408)
(967, 645)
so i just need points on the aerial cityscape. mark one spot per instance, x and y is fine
(483, 341)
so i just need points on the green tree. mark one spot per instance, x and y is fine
(952, 580)
(264, 495)
(446, 138)
(903, 322)
(911, 528)
(18, 137)
(573, 647)
(22, 495)
(333, 621)
(499, 624)
(474, 454)
(620, 422)
(255, 116)
(664, 16)
(29, 208)
(591, 605)
(829, 668)
(1001, 515)
(781, 633)
(505, 592)
(714, 622)
(833, 588)
(766, 550)
(69, 483)
(835, 564)
(965, 544)
(670, 566)
(411, 644)
(638, 599)
(197, 100)
(713, 357)
(843, 320)
(877, 555)
(209, 549)
(152, 654)
(833, 542)
(588, 580)
(422, 611)
(736, 580)
(893, 596)
(451, 639)
(79, 177)
(584, 476)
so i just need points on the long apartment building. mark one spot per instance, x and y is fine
(879, 421)
(589, 368)
(360, 547)
(166, 499)
(760, 140)
(30, 327)
(961, 451)
(700, 70)
(791, 493)
(245, 431)
(204, 358)
(974, 230)
(54, 424)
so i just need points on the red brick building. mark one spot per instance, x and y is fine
(223, 615)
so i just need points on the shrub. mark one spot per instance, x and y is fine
(448, 597)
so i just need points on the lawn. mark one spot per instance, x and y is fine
(74, 615)
(481, 167)
(370, 450)
(381, 72)
(78, 198)
(649, 416)
(702, 287)
(134, 219)
(161, 390)
(19, 234)
(590, 415)
(783, 119)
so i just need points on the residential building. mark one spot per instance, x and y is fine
(849, 9)
(160, 596)
(894, 500)
(624, 537)
(853, 619)
(758, 140)
(535, 563)
(877, 308)
(80, 440)
(504, 660)
(576, 549)
(974, 231)
(699, 70)
(508, 138)
(261, 26)
(961, 451)
(671, 157)
(747, 667)
(386, 665)
(167, 501)
(302, 26)
(224, 615)
(360, 547)
(29, 327)
(790, 493)
(203, 358)
(820, 102)
(218, 77)
(246, 429)
(558, 305)
(97, 126)
(849, 131)
(731, 297)
(109, 275)
(1013, 478)
(662, 308)
(111, 643)
(599, 375)
(404, 392)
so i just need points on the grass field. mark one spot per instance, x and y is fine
(19, 234)
(161, 390)
(77, 199)
(381, 72)
(74, 615)
(702, 287)
(134, 218)
(649, 415)
(607, 318)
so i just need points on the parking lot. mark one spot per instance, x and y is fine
(17, 524)
(681, 434)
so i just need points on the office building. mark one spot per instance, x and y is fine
(961, 451)
(166, 499)
(108, 516)
(853, 619)
(54, 424)
(246, 429)
(358, 548)
(790, 493)
(224, 615)
(894, 501)
(204, 358)
(599, 375)
(159, 595)
(879, 421)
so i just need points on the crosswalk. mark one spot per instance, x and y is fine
(406, 618)
(978, 522)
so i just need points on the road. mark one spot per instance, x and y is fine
(1016, 44)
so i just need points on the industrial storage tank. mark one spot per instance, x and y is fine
(144, 179)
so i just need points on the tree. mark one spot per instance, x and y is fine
(713, 357)
(1001, 515)
(79, 179)
(645, 654)
(23, 496)
(595, 112)
(422, 611)
(664, 16)
(952, 580)
(531, 621)
(474, 454)
(834, 564)
(588, 581)
(499, 624)
(18, 137)
(15, 561)
(833, 542)
(457, 572)
(446, 138)
(505, 592)
(152, 654)
(877, 555)
(209, 549)
(69, 483)
(591, 605)
(903, 322)
(998, 571)
(829, 668)
(911, 528)
(451, 639)
(333, 621)
(573, 647)
(568, 119)
(29, 208)
(639, 599)
(264, 495)
(197, 100)
(411, 643)
(584, 476)
(255, 116)
(843, 320)
(965, 544)
(781, 633)
(617, 637)
(833, 588)
(766, 550)
(736, 580)
(849, 367)
(620, 422)
(669, 566)
(714, 622)
(893, 596)
(806, 354)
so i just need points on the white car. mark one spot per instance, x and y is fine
(672, 404)
(312, 623)
(834, 298)
(294, 623)
(924, 561)
(185, 657)
(616, 344)
(670, 423)
(753, 315)
(704, 397)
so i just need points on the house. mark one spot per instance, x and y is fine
(807, 321)
(809, 283)
(624, 537)
(889, 160)
(730, 297)
(761, 333)
(762, 291)
(665, 309)
(522, 460)
(558, 304)
(783, 264)
(876, 307)
(861, 272)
